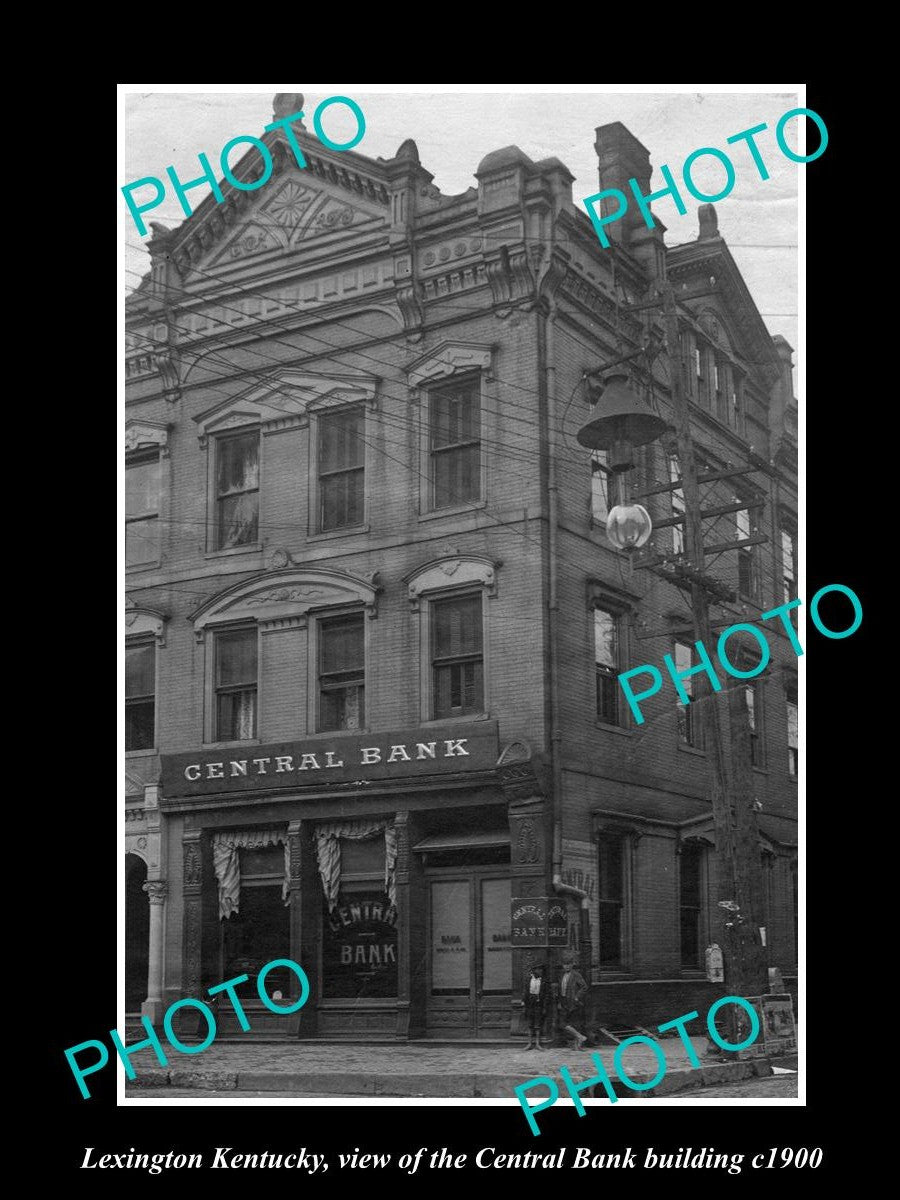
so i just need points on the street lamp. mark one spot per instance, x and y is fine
(628, 526)
(620, 422)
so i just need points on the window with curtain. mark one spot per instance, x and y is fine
(719, 384)
(748, 573)
(753, 698)
(140, 695)
(142, 479)
(237, 490)
(606, 659)
(737, 402)
(455, 443)
(700, 373)
(788, 566)
(342, 672)
(359, 952)
(689, 723)
(457, 657)
(342, 468)
(611, 890)
(236, 684)
(793, 739)
(259, 931)
(690, 880)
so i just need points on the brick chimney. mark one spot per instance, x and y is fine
(621, 157)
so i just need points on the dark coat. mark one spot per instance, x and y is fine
(574, 998)
(539, 1005)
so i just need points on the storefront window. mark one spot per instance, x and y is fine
(359, 954)
(258, 933)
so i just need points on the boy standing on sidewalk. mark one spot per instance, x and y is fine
(537, 1004)
(572, 990)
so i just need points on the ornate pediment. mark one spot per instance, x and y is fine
(444, 573)
(283, 401)
(447, 359)
(145, 435)
(141, 622)
(282, 599)
(293, 208)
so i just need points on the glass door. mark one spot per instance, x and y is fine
(492, 1011)
(469, 955)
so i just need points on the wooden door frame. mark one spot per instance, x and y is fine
(473, 876)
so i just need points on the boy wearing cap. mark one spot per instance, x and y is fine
(572, 989)
(537, 1004)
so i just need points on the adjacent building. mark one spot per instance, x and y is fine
(373, 621)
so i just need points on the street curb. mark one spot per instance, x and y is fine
(355, 1083)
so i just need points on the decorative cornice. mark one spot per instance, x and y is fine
(282, 599)
(144, 435)
(284, 401)
(145, 621)
(447, 359)
(441, 574)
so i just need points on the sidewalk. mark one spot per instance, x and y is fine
(423, 1069)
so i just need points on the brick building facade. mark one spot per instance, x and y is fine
(373, 621)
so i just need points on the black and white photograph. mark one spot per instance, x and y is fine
(463, 729)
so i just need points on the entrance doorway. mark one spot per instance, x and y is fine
(137, 933)
(469, 984)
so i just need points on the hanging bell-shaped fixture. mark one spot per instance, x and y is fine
(620, 421)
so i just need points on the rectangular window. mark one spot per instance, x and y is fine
(237, 490)
(359, 950)
(690, 876)
(788, 569)
(611, 900)
(342, 469)
(753, 696)
(720, 376)
(606, 657)
(236, 685)
(688, 718)
(792, 729)
(736, 403)
(455, 444)
(342, 673)
(140, 696)
(142, 475)
(701, 372)
(457, 656)
(748, 575)
(258, 932)
(678, 505)
(601, 485)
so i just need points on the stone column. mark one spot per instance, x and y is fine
(525, 782)
(153, 1006)
(401, 880)
(192, 891)
(529, 877)
(302, 949)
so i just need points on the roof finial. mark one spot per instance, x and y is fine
(286, 103)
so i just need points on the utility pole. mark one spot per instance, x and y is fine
(622, 423)
(737, 848)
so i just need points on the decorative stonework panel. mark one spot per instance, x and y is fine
(284, 596)
(438, 576)
(145, 435)
(447, 359)
(284, 401)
